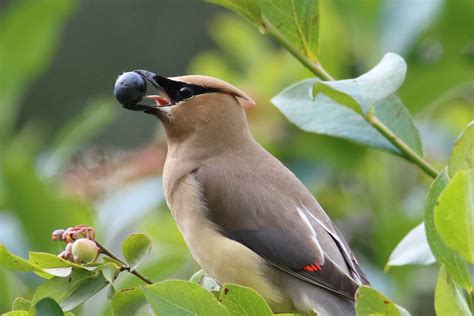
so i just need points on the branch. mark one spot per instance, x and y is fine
(314, 67)
(123, 266)
(408, 153)
(317, 69)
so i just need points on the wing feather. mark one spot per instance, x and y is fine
(274, 215)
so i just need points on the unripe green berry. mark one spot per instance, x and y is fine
(84, 251)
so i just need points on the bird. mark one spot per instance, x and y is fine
(245, 217)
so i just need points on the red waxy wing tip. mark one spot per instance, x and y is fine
(312, 268)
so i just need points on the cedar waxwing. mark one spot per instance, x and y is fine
(245, 217)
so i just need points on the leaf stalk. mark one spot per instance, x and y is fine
(316, 68)
(124, 266)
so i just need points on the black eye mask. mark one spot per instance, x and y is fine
(179, 91)
(131, 88)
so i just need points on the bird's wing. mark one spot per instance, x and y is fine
(274, 215)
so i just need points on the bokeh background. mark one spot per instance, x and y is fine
(69, 154)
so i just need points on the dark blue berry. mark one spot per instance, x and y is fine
(130, 88)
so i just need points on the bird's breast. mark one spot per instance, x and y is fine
(224, 259)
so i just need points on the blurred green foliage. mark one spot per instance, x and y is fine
(374, 198)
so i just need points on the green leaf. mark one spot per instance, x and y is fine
(48, 307)
(454, 214)
(16, 313)
(462, 157)
(323, 115)
(413, 249)
(455, 264)
(205, 281)
(249, 9)
(72, 291)
(128, 302)
(53, 264)
(197, 277)
(240, 300)
(110, 271)
(12, 262)
(21, 304)
(176, 297)
(297, 21)
(135, 249)
(392, 112)
(38, 25)
(111, 292)
(370, 88)
(449, 299)
(340, 97)
(371, 302)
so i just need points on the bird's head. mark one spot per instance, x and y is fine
(185, 105)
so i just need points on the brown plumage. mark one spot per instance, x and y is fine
(245, 217)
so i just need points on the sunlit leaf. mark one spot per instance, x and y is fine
(323, 115)
(21, 304)
(48, 260)
(373, 86)
(15, 263)
(16, 313)
(249, 9)
(454, 214)
(371, 302)
(413, 249)
(128, 302)
(135, 249)
(241, 300)
(205, 281)
(71, 291)
(48, 307)
(449, 299)
(197, 277)
(110, 271)
(455, 264)
(182, 298)
(462, 157)
(297, 20)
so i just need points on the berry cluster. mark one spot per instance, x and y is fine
(80, 243)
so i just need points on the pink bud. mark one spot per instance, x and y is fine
(57, 234)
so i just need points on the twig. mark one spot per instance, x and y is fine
(123, 266)
(315, 67)
(408, 153)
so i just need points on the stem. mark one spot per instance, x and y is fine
(123, 266)
(319, 71)
(315, 67)
(408, 153)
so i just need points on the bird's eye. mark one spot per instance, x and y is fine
(185, 93)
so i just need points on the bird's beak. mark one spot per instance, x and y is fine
(162, 99)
